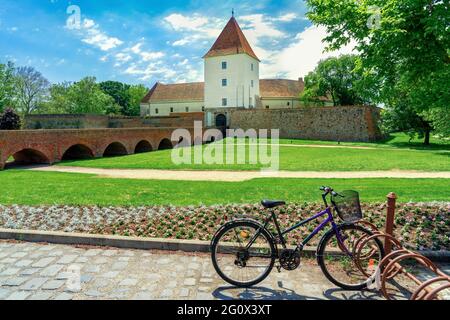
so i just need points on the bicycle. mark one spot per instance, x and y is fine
(244, 251)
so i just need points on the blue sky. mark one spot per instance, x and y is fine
(143, 41)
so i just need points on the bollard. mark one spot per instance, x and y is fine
(391, 205)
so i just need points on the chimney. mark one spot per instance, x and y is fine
(300, 79)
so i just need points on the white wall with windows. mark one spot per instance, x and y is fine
(231, 81)
(163, 109)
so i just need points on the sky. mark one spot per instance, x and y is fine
(144, 41)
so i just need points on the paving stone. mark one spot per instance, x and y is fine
(92, 268)
(67, 259)
(41, 296)
(64, 296)
(101, 260)
(51, 270)
(81, 260)
(93, 293)
(43, 262)
(110, 274)
(119, 265)
(4, 293)
(166, 293)
(29, 272)
(9, 272)
(85, 278)
(19, 255)
(19, 295)
(190, 282)
(23, 263)
(14, 282)
(128, 282)
(184, 293)
(53, 284)
(34, 283)
(9, 260)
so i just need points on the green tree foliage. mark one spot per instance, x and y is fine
(84, 96)
(10, 120)
(404, 43)
(6, 85)
(119, 92)
(136, 93)
(341, 79)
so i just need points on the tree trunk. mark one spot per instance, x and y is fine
(427, 137)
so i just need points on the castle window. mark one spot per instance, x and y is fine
(156, 111)
(253, 67)
(224, 82)
(224, 102)
(267, 107)
(171, 110)
(203, 109)
(224, 65)
(187, 109)
(253, 83)
(288, 103)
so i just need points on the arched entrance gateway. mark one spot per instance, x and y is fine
(115, 149)
(221, 124)
(78, 152)
(27, 157)
(143, 147)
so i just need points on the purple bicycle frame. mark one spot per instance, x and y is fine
(329, 219)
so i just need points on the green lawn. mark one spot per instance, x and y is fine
(42, 188)
(294, 159)
(397, 140)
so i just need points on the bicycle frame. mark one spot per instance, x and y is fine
(281, 234)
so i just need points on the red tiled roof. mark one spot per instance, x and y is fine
(270, 88)
(194, 91)
(281, 88)
(231, 41)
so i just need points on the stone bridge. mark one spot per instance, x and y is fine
(51, 146)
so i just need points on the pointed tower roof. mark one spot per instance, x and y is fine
(231, 41)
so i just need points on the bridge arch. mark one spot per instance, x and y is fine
(143, 147)
(165, 144)
(78, 152)
(30, 156)
(115, 149)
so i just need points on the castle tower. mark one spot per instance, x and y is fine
(231, 71)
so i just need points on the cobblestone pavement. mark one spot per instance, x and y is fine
(46, 272)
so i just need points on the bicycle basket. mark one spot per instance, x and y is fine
(348, 206)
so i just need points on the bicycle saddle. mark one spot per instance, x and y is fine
(269, 204)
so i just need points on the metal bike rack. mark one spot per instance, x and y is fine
(390, 267)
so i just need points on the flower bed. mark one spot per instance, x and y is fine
(418, 226)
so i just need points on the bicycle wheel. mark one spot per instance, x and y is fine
(338, 263)
(238, 264)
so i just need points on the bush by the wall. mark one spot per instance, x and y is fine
(10, 120)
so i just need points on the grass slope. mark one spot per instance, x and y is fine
(39, 188)
(291, 159)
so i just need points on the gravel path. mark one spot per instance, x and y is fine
(238, 176)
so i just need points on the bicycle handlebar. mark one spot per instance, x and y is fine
(329, 190)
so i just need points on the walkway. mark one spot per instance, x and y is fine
(38, 271)
(238, 176)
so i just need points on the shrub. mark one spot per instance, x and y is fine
(10, 120)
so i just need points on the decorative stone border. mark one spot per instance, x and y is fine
(143, 243)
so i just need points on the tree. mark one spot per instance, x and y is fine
(10, 120)
(86, 96)
(136, 93)
(58, 101)
(339, 78)
(119, 92)
(404, 43)
(6, 85)
(31, 89)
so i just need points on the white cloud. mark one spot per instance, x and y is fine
(180, 22)
(288, 17)
(302, 56)
(123, 57)
(91, 34)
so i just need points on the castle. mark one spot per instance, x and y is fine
(231, 82)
